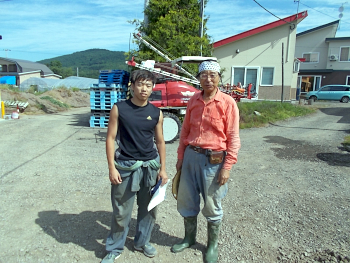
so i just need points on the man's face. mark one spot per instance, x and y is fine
(142, 89)
(209, 80)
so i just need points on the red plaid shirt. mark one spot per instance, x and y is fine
(214, 125)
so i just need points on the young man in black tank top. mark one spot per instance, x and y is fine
(135, 166)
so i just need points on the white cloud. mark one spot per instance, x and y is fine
(41, 29)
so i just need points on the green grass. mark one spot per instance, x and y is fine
(74, 89)
(269, 112)
(54, 101)
(346, 141)
(9, 87)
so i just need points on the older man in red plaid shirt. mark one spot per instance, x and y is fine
(208, 149)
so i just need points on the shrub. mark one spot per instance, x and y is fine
(74, 89)
(56, 102)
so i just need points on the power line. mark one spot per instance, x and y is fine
(36, 52)
(322, 12)
(272, 13)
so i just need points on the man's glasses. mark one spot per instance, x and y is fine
(205, 75)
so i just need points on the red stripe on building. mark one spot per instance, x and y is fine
(260, 29)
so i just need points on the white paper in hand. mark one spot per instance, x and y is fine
(157, 197)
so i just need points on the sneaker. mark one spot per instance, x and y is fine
(149, 250)
(109, 258)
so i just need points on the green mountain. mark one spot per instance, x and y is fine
(91, 61)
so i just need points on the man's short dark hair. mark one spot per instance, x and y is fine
(142, 74)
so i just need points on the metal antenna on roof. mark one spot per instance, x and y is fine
(297, 10)
(298, 5)
(6, 51)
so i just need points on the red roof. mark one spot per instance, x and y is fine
(260, 29)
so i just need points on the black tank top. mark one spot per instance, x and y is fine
(136, 131)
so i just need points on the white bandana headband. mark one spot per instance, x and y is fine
(209, 65)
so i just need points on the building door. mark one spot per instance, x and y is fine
(309, 83)
(317, 83)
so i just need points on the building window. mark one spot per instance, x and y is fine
(238, 76)
(344, 54)
(347, 80)
(12, 68)
(311, 57)
(267, 76)
(245, 75)
(3, 68)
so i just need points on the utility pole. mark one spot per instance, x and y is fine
(282, 72)
(145, 17)
(202, 24)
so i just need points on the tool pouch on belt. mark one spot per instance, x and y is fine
(216, 157)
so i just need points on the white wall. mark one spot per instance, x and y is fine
(262, 50)
(315, 42)
(334, 48)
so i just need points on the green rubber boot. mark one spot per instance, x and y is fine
(190, 235)
(212, 248)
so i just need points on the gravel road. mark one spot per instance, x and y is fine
(288, 197)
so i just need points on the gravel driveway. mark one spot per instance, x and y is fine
(288, 197)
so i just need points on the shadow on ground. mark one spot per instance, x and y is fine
(344, 113)
(304, 151)
(81, 120)
(90, 229)
(335, 159)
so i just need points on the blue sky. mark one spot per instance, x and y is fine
(41, 29)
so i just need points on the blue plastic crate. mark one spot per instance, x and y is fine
(103, 103)
(101, 94)
(114, 71)
(95, 104)
(99, 112)
(114, 76)
(106, 86)
(116, 80)
(99, 121)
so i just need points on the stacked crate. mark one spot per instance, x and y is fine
(111, 88)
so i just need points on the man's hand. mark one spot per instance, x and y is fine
(179, 164)
(164, 176)
(114, 176)
(223, 176)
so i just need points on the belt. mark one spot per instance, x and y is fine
(199, 149)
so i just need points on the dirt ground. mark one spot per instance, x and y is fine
(288, 198)
(40, 106)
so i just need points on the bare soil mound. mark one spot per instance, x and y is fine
(52, 101)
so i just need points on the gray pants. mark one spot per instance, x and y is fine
(198, 176)
(122, 202)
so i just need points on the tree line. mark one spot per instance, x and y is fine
(174, 25)
(86, 63)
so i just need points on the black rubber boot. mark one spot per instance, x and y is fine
(212, 248)
(190, 235)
